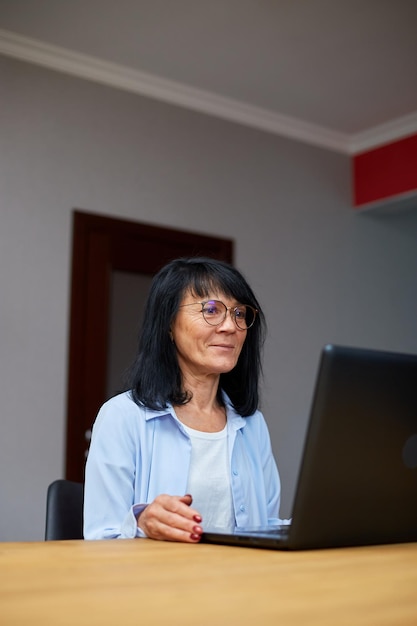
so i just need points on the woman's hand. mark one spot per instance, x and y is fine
(171, 518)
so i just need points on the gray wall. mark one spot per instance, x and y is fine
(322, 272)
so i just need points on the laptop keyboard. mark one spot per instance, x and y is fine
(276, 531)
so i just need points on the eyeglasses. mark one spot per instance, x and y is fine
(215, 311)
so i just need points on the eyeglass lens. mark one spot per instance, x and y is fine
(215, 311)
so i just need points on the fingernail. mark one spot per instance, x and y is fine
(197, 530)
(194, 536)
(188, 495)
(197, 518)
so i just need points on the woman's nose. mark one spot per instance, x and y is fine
(229, 320)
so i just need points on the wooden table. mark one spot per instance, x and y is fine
(139, 581)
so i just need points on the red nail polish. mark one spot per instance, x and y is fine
(197, 518)
(197, 530)
(194, 536)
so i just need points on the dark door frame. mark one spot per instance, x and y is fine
(100, 245)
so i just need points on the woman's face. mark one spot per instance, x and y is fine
(205, 350)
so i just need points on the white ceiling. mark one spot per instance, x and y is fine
(337, 71)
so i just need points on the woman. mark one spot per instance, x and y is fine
(186, 446)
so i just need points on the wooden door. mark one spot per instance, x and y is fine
(102, 245)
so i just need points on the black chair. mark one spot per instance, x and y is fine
(64, 510)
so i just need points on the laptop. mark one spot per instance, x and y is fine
(357, 482)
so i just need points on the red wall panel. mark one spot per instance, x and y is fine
(385, 172)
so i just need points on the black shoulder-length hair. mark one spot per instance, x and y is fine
(155, 377)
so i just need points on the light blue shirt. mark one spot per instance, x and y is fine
(137, 454)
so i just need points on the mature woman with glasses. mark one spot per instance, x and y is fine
(186, 447)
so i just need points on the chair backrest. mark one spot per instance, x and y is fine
(64, 510)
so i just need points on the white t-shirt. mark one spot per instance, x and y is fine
(209, 477)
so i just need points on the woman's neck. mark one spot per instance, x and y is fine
(203, 411)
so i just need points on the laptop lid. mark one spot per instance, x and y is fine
(357, 483)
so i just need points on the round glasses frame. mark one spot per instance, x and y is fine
(222, 310)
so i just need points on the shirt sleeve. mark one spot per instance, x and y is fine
(109, 508)
(271, 477)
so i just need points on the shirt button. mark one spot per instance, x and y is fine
(235, 473)
(242, 508)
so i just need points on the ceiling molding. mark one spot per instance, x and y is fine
(121, 77)
(384, 133)
(134, 81)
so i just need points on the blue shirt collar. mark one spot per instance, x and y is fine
(234, 420)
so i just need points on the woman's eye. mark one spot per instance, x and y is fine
(211, 309)
(240, 313)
